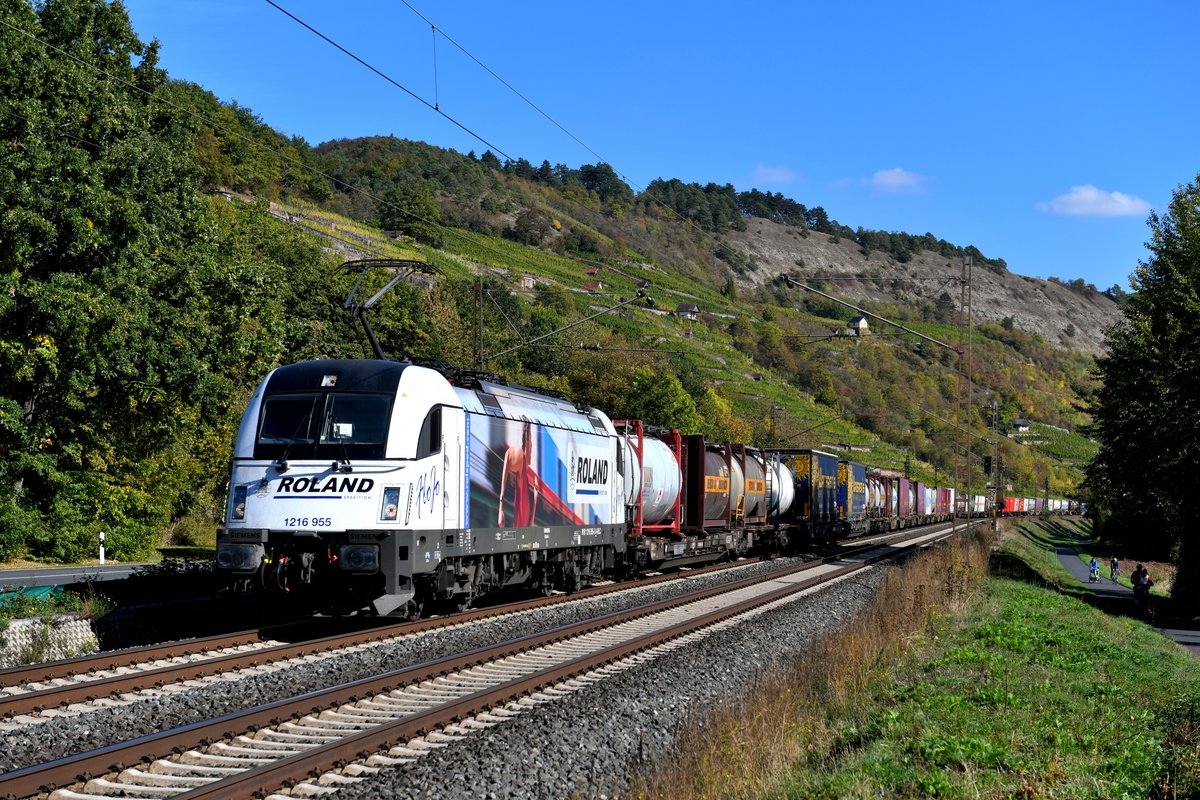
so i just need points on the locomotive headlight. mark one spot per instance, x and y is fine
(390, 507)
(359, 557)
(239, 557)
(237, 508)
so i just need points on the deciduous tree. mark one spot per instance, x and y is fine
(1147, 417)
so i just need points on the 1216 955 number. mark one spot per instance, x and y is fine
(307, 522)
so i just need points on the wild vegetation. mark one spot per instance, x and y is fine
(959, 685)
(161, 250)
(1145, 475)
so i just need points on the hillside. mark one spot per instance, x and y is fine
(143, 299)
(1072, 319)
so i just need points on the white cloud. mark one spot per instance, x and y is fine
(897, 181)
(765, 174)
(1088, 201)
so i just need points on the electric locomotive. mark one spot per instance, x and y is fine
(374, 483)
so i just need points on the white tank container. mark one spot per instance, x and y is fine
(633, 475)
(660, 481)
(783, 489)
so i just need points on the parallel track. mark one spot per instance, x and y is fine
(35, 688)
(369, 721)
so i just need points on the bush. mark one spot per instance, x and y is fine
(17, 527)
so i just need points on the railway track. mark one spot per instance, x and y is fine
(349, 731)
(41, 689)
(30, 691)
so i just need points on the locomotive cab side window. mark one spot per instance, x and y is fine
(430, 441)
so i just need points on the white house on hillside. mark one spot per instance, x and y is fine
(859, 326)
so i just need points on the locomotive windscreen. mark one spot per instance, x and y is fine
(323, 425)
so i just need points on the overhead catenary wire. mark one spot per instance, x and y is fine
(436, 104)
(433, 106)
(514, 90)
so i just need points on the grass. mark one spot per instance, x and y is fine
(960, 685)
(1040, 537)
(1035, 543)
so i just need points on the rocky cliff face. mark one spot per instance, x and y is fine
(1064, 317)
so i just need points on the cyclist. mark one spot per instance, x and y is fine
(1114, 569)
(1093, 570)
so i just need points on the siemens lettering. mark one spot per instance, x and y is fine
(333, 485)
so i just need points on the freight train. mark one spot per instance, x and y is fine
(385, 486)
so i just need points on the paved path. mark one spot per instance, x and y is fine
(63, 576)
(1069, 558)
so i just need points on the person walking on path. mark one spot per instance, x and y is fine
(1142, 582)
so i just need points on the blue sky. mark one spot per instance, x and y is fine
(1042, 133)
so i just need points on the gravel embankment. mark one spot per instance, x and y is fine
(63, 736)
(595, 742)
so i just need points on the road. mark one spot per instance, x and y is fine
(1069, 558)
(62, 576)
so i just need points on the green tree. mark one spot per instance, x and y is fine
(530, 227)
(1145, 473)
(604, 181)
(489, 160)
(99, 205)
(412, 209)
(659, 399)
(132, 311)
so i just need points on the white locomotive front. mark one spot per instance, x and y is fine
(373, 483)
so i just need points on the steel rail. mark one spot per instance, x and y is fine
(115, 659)
(86, 691)
(265, 779)
(44, 778)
